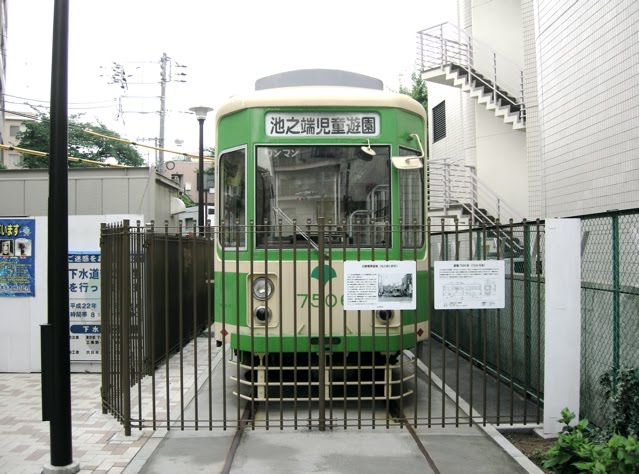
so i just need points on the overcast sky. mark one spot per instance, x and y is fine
(226, 45)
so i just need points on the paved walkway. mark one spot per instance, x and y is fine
(99, 445)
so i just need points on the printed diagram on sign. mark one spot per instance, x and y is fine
(465, 291)
(469, 284)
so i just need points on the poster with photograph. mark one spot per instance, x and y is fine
(84, 306)
(17, 257)
(380, 285)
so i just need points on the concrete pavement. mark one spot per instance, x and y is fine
(100, 446)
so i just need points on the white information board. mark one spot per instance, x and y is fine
(84, 306)
(379, 285)
(476, 284)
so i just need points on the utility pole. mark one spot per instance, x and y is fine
(163, 81)
(56, 365)
(118, 76)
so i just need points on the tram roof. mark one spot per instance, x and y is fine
(320, 96)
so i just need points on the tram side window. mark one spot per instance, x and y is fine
(233, 197)
(411, 204)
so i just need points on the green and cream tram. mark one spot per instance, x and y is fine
(320, 183)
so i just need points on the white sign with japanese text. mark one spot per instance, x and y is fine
(379, 285)
(84, 306)
(311, 124)
(476, 284)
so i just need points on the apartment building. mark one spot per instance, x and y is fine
(537, 102)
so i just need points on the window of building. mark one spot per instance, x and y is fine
(14, 130)
(439, 121)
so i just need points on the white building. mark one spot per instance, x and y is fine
(14, 123)
(574, 147)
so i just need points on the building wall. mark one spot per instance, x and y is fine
(536, 200)
(474, 136)
(188, 171)
(497, 24)
(13, 124)
(588, 58)
(501, 162)
(95, 196)
(21, 317)
(92, 191)
(458, 144)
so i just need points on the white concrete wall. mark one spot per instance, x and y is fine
(459, 143)
(501, 163)
(497, 28)
(21, 317)
(588, 58)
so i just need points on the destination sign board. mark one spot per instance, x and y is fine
(314, 124)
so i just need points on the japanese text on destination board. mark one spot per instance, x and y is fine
(314, 124)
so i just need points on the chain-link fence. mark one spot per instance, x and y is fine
(610, 303)
(609, 299)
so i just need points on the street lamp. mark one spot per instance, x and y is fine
(200, 114)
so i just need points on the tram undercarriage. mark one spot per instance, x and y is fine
(294, 377)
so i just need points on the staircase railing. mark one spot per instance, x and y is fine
(446, 44)
(451, 183)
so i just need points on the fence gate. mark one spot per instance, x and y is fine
(241, 324)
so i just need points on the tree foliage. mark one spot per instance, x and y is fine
(81, 144)
(417, 89)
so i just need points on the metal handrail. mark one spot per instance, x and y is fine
(460, 184)
(297, 228)
(446, 44)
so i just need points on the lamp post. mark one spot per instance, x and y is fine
(200, 113)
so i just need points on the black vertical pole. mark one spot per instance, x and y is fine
(200, 181)
(58, 278)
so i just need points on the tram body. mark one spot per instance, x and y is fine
(296, 162)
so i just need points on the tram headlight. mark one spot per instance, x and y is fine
(262, 288)
(384, 316)
(262, 314)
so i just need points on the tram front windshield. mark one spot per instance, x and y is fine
(343, 184)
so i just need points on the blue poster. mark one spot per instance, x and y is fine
(17, 257)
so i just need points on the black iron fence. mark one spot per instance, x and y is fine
(171, 333)
(156, 298)
(504, 347)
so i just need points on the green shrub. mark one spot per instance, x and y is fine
(621, 390)
(572, 442)
(578, 449)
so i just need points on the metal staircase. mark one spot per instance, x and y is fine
(455, 192)
(448, 55)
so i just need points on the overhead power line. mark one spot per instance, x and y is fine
(70, 158)
(129, 142)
